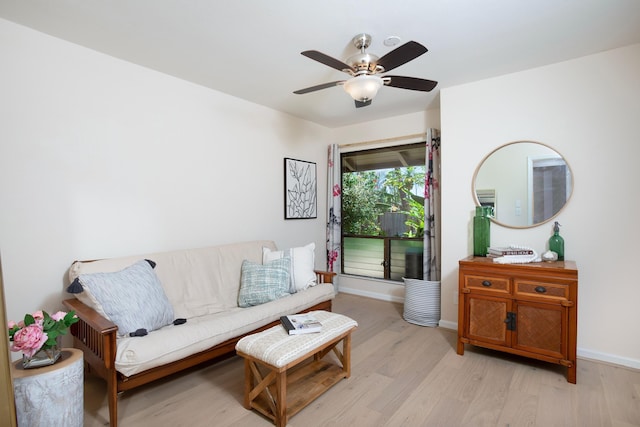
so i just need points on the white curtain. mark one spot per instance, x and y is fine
(431, 257)
(334, 214)
(422, 297)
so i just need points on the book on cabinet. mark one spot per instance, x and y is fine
(507, 251)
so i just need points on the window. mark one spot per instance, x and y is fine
(383, 212)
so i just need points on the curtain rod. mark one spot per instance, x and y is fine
(380, 141)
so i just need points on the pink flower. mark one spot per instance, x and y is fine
(58, 316)
(38, 316)
(12, 324)
(333, 257)
(29, 340)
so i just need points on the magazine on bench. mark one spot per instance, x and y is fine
(296, 324)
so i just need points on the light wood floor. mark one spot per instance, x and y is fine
(402, 375)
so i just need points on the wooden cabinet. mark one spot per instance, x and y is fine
(525, 309)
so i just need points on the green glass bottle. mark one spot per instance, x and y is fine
(556, 242)
(481, 230)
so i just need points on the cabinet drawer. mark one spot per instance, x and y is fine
(487, 283)
(541, 290)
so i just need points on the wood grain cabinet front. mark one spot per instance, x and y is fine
(524, 309)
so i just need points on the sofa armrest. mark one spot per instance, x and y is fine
(324, 276)
(96, 337)
(91, 317)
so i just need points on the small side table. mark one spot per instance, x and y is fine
(50, 395)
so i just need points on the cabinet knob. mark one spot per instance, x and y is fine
(486, 283)
(540, 289)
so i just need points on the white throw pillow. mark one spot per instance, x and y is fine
(302, 265)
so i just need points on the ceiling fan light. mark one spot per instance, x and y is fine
(363, 88)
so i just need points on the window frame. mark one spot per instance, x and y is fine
(387, 258)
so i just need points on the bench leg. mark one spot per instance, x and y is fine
(281, 399)
(248, 383)
(346, 355)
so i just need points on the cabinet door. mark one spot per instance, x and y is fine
(485, 319)
(541, 328)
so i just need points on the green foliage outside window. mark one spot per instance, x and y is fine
(415, 222)
(365, 198)
(359, 210)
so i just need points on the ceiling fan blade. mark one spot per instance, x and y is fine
(360, 104)
(318, 87)
(327, 60)
(411, 83)
(401, 55)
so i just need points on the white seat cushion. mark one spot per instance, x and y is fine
(171, 343)
(277, 348)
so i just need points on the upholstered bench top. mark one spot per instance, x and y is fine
(276, 347)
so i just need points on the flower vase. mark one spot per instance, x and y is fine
(44, 357)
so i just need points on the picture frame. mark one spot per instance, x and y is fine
(300, 189)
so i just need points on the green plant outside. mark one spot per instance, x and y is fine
(365, 199)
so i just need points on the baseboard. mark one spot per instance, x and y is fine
(374, 295)
(598, 356)
(582, 353)
(448, 325)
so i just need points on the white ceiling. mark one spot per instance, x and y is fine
(251, 48)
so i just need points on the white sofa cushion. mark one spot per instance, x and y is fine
(196, 281)
(171, 343)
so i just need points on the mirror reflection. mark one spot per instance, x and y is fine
(527, 183)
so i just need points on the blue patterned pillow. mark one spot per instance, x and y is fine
(260, 283)
(132, 298)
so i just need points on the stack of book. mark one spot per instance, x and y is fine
(497, 252)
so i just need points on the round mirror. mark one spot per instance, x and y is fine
(527, 184)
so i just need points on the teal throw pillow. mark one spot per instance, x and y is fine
(260, 283)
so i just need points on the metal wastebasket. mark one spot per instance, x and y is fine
(422, 302)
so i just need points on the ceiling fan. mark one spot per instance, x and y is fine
(364, 69)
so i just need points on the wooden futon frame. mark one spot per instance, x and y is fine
(96, 337)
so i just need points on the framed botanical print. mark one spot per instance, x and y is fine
(300, 189)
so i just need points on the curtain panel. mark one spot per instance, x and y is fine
(334, 214)
(431, 252)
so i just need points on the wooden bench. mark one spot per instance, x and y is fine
(278, 383)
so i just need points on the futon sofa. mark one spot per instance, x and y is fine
(148, 316)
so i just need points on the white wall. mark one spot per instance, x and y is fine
(101, 158)
(588, 109)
